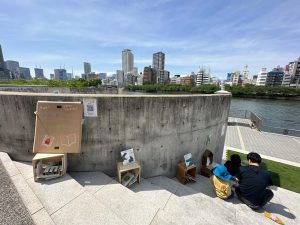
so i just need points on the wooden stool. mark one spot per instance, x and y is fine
(134, 167)
(205, 169)
(182, 171)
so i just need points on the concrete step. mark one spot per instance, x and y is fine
(150, 192)
(126, 204)
(65, 200)
(188, 206)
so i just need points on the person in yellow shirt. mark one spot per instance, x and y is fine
(220, 180)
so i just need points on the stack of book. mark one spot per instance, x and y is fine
(129, 179)
(45, 171)
(189, 178)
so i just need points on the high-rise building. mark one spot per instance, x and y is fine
(102, 76)
(39, 73)
(202, 77)
(149, 75)
(286, 80)
(261, 78)
(236, 78)
(4, 73)
(87, 68)
(127, 61)
(70, 76)
(135, 71)
(158, 62)
(275, 77)
(176, 79)
(229, 77)
(60, 74)
(24, 73)
(295, 73)
(13, 67)
(2, 64)
(120, 78)
(163, 76)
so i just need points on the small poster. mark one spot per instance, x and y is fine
(128, 156)
(188, 160)
(90, 107)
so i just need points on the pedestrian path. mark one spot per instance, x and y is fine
(241, 136)
(95, 198)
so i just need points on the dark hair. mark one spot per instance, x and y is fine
(254, 157)
(235, 158)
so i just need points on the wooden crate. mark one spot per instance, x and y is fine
(205, 169)
(134, 167)
(182, 171)
(48, 159)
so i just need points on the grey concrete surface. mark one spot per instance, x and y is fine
(157, 200)
(269, 144)
(91, 181)
(160, 128)
(124, 203)
(56, 193)
(86, 210)
(28, 197)
(12, 209)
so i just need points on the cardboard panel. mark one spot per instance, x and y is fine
(58, 127)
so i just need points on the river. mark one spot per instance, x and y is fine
(274, 113)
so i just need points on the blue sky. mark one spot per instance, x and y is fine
(222, 34)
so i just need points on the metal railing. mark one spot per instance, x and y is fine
(258, 123)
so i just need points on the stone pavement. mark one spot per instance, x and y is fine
(95, 198)
(12, 209)
(239, 135)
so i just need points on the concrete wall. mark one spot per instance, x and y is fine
(160, 128)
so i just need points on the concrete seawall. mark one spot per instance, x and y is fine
(160, 128)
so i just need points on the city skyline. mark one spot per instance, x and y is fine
(224, 38)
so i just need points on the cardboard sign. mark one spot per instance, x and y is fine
(58, 127)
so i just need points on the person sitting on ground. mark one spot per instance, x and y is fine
(220, 180)
(233, 164)
(253, 183)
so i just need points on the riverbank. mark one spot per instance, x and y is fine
(173, 88)
(264, 92)
(291, 98)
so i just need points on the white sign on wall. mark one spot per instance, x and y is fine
(90, 107)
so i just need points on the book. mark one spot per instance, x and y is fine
(188, 160)
(133, 180)
(190, 178)
(127, 156)
(127, 178)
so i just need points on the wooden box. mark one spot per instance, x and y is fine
(206, 163)
(58, 127)
(182, 171)
(50, 160)
(134, 168)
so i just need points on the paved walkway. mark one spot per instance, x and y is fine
(95, 198)
(241, 136)
(12, 208)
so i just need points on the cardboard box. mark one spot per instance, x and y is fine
(58, 127)
(55, 164)
(135, 168)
